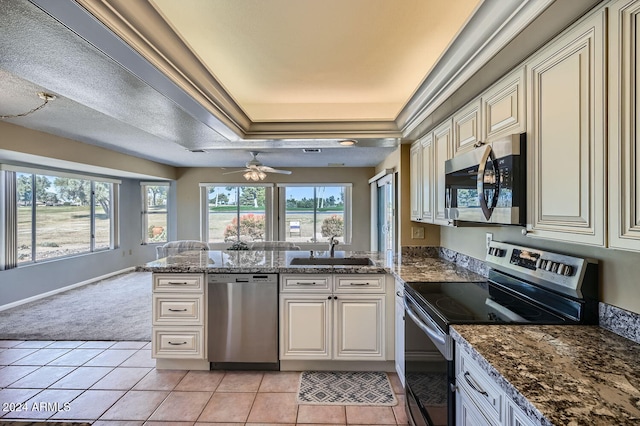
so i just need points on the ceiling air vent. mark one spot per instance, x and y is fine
(311, 150)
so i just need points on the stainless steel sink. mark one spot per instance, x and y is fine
(329, 261)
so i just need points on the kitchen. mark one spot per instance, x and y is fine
(618, 267)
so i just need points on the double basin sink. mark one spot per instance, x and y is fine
(331, 261)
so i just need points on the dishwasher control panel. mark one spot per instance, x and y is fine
(242, 278)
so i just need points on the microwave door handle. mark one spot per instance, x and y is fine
(486, 210)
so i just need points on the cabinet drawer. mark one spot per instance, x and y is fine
(359, 283)
(305, 283)
(193, 283)
(479, 386)
(182, 343)
(175, 310)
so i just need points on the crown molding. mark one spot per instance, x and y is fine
(493, 25)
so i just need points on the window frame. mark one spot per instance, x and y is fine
(144, 216)
(9, 213)
(269, 211)
(348, 207)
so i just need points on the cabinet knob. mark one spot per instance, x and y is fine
(329, 298)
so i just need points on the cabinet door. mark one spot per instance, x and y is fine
(415, 180)
(305, 326)
(441, 153)
(624, 127)
(466, 127)
(359, 327)
(515, 416)
(503, 107)
(566, 135)
(426, 208)
(399, 328)
(467, 412)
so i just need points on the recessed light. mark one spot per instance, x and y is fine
(348, 142)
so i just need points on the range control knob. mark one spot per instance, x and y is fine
(565, 270)
(495, 251)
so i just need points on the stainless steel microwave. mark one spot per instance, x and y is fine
(488, 185)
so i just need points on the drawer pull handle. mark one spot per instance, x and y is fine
(306, 283)
(178, 310)
(358, 283)
(177, 343)
(178, 283)
(475, 386)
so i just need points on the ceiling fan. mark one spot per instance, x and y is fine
(256, 171)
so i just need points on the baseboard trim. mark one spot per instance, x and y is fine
(304, 365)
(61, 289)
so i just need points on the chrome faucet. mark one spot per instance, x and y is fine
(332, 245)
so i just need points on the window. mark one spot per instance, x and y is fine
(236, 213)
(315, 213)
(56, 215)
(155, 213)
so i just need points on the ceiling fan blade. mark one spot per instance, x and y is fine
(268, 169)
(236, 171)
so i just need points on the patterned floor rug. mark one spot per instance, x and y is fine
(345, 388)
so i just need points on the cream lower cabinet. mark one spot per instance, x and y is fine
(566, 135)
(624, 125)
(179, 317)
(399, 330)
(479, 399)
(344, 322)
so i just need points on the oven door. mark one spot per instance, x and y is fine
(429, 370)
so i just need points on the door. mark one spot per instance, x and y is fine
(624, 125)
(566, 127)
(384, 214)
(359, 327)
(442, 147)
(305, 324)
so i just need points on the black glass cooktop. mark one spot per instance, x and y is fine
(494, 301)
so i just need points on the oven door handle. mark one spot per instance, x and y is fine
(433, 333)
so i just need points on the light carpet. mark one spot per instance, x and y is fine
(117, 308)
(345, 388)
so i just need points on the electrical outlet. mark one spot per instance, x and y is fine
(417, 232)
(489, 238)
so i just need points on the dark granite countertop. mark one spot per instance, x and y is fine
(560, 375)
(408, 269)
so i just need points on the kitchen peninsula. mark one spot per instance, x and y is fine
(350, 307)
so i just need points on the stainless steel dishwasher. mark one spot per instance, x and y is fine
(243, 321)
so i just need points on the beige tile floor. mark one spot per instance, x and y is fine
(116, 383)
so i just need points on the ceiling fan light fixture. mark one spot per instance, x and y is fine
(348, 142)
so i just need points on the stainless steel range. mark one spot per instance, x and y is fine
(525, 286)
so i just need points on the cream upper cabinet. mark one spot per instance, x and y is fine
(442, 148)
(466, 127)
(566, 135)
(503, 107)
(624, 127)
(427, 167)
(415, 180)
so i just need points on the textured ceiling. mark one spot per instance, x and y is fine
(145, 79)
(290, 60)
